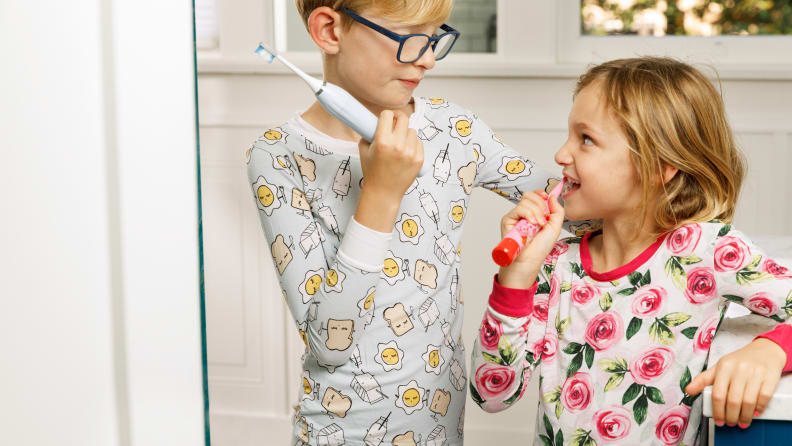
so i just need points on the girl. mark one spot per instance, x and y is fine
(619, 320)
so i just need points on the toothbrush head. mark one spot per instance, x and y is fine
(266, 51)
(558, 188)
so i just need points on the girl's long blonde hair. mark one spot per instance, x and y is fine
(672, 115)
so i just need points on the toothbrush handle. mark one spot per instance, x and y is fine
(348, 110)
(511, 245)
(339, 103)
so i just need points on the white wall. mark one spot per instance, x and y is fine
(523, 93)
(99, 324)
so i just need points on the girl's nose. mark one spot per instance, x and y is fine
(563, 156)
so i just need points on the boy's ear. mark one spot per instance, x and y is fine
(324, 26)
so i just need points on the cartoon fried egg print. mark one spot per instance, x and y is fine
(282, 162)
(310, 286)
(410, 397)
(267, 196)
(461, 128)
(433, 359)
(409, 228)
(334, 279)
(457, 212)
(514, 167)
(437, 102)
(497, 138)
(389, 356)
(274, 136)
(393, 268)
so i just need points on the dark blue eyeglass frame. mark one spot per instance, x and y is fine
(401, 38)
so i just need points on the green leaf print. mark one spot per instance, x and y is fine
(635, 279)
(506, 351)
(639, 409)
(545, 441)
(548, 269)
(661, 333)
(516, 395)
(572, 348)
(559, 438)
(627, 291)
(689, 260)
(582, 437)
(724, 230)
(685, 380)
(776, 318)
(732, 298)
(565, 286)
(572, 240)
(646, 279)
(543, 288)
(605, 302)
(676, 273)
(788, 304)
(633, 327)
(575, 364)
(547, 425)
(558, 409)
(492, 358)
(553, 395)
(674, 319)
(689, 332)
(755, 261)
(589, 353)
(631, 393)
(577, 269)
(745, 277)
(475, 395)
(689, 400)
(613, 366)
(655, 395)
(614, 381)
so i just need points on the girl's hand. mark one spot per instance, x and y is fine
(523, 271)
(392, 161)
(742, 382)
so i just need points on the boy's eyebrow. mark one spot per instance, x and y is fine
(581, 126)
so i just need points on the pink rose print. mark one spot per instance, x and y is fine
(525, 326)
(761, 303)
(672, 425)
(576, 393)
(491, 331)
(648, 300)
(604, 330)
(706, 331)
(558, 249)
(613, 423)
(493, 380)
(683, 241)
(701, 285)
(731, 254)
(546, 347)
(555, 291)
(583, 292)
(780, 272)
(540, 308)
(651, 364)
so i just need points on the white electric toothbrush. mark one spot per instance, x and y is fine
(337, 101)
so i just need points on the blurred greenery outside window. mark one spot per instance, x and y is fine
(686, 17)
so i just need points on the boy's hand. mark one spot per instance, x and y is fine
(742, 382)
(392, 161)
(523, 271)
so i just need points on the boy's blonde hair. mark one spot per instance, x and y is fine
(672, 115)
(408, 12)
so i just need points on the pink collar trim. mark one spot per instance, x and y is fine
(631, 266)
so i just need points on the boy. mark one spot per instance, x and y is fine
(379, 257)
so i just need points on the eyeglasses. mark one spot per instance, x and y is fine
(413, 46)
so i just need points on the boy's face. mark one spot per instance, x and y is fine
(596, 155)
(366, 64)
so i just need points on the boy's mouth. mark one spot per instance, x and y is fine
(410, 83)
(570, 186)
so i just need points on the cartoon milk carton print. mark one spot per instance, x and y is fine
(437, 437)
(376, 432)
(428, 313)
(331, 435)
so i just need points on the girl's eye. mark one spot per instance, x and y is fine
(587, 141)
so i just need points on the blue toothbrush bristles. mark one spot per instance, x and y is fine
(263, 52)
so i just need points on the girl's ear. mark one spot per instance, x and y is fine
(669, 172)
(324, 26)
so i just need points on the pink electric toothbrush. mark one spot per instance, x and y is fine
(520, 235)
(336, 101)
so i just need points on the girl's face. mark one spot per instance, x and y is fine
(596, 159)
(366, 64)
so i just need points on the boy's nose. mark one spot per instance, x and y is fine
(427, 60)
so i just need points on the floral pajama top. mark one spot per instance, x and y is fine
(615, 350)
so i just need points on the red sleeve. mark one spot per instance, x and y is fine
(781, 335)
(513, 302)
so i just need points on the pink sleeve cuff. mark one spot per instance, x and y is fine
(511, 302)
(781, 335)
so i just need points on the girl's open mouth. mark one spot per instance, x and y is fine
(570, 186)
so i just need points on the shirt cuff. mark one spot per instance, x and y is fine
(512, 302)
(781, 335)
(363, 247)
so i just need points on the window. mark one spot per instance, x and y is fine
(686, 17)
